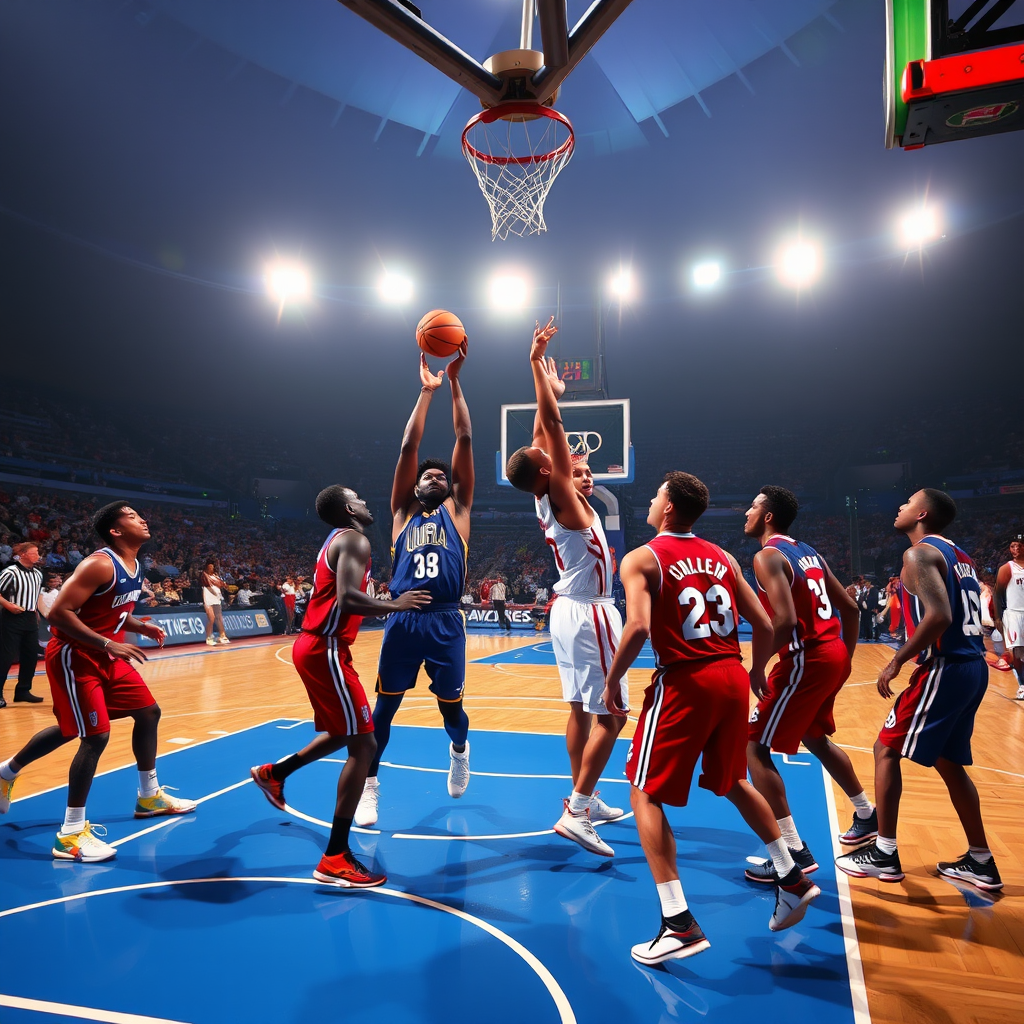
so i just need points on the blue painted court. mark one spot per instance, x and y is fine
(487, 915)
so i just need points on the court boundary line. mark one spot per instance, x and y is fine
(547, 979)
(80, 1012)
(851, 944)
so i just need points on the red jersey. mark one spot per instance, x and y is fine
(693, 615)
(323, 616)
(107, 610)
(817, 622)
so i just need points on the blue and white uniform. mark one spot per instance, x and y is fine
(934, 716)
(430, 555)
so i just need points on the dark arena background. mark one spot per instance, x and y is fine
(220, 222)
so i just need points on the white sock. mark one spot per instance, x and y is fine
(148, 786)
(781, 857)
(578, 803)
(886, 846)
(862, 806)
(673, 901)
(789, 833)
(982, 854)
(7, 773)
(74, 821)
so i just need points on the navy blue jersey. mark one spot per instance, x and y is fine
(430, 555)
(962, 640)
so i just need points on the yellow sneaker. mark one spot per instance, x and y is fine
(6, 788)
(83, 846)
(161, 803)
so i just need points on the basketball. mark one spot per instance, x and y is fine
(440, 333)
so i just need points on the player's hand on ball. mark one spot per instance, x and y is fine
(456, 364)
(411, 600)
(429, 381)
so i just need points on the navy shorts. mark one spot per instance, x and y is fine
(434, 639)
(934, 716)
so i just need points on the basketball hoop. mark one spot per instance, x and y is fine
(516, 151)
(582, 444)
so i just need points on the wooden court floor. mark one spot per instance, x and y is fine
(932, 952)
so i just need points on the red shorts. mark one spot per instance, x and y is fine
(691, 709)
(337, 696)
(89, 688)
(800, 696)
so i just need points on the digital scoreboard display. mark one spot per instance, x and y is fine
(577, 373)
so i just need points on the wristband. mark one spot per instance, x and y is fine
(107, 643)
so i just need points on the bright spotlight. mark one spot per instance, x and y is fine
(706, 275)
(798, 264)
(395, 289)
(918, 227)
(621, 284)
(287, 283)
(508, 291)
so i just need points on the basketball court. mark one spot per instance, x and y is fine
(482, 899)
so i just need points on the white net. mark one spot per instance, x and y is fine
(516, 163)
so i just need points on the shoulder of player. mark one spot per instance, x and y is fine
(575, 514)
(349, 540)
(919, 556)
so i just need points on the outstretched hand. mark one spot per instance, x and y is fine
(541, 337)
(429, 381)
(456, 364)
(555, 382)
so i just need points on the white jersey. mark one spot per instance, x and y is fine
(582, 557)
(1015, 588)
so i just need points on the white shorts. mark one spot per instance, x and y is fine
(1013, 628)
(585, 636)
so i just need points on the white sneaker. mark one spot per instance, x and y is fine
(791, 903)
(669, 944)
(224, 640)
(600, 811)
(1020, 693)
(83, 846)
(210, 642)
(458, 772)
(579, 829)
(366, 812)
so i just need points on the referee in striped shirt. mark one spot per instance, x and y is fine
(20, 584)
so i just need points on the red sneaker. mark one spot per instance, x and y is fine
(272, 789)
(343, 869)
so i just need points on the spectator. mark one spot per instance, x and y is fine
(212, 601)
(74, 555)
(243, 599)
(498, 595)
(6, 553)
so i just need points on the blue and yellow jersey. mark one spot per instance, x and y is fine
(430, 555)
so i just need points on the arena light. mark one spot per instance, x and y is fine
(287, 283)
(798, 264)
(706, 274)
(621, 285)
(919, 226)
(395, 288)
(508, 291)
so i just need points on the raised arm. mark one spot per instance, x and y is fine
(408, 458)
(557, 385)
(463, 471)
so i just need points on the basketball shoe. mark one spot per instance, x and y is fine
(366, 811)
(458, 773)
(269, 786)
(765, 871)
(793, 894)
(162, 803)
(83, 846)
(223, 640)
(343, 869)
(210, 642)
(870, 862)
(6, 788)
(600, 811)
(1020, 692)
(967, 869)
(672, 942)
(862, 830)
(579, 829)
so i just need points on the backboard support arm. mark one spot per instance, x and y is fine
(554, 33)
(394, 20)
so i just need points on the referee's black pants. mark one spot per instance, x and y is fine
(22, 646)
